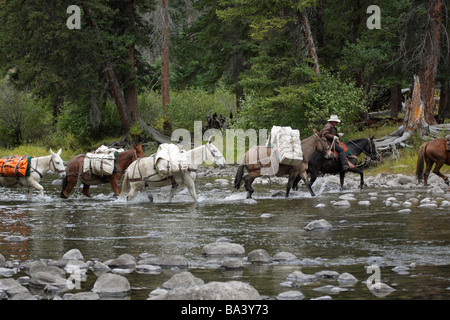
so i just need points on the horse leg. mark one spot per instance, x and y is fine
(437, 169)
(426, 173)
(134, 189)
(296, 181)
(86, 190)
(68, 185)
(289, 184)
(114, 181)
(304, 177)
(189, 183)
(173, 189)
(248, 179)
(33, 184)
(341, 178)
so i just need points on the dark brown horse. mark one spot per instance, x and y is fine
(432, 152)
(74, 172)
(257, 161)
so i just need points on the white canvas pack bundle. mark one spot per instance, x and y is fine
(100, 162)
(170, 160)
(286, 145)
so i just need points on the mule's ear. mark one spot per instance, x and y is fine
(314, 130)
(59, 152)
(210, 139)
(51, 151)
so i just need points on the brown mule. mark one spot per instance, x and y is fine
(74, 172)
(257, 161)
(432, 152)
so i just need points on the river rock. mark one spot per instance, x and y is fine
(44, 278)
(2, 261)
(327, 274)
(100, 267)
(6, 272)
(25, 296)
(85, 296)
(73, 254)
(74, 266)
(342, 203)
(148, 268)
(259, 256)
(330, 289)
(231, 290)
(12, 287)
(112, 285)
(347, 280)
(231, 264)
(380, 289)
(401, 270)
(182, 280)
(170, 261)
(122, 262)
(291, 295)
(284, 256)
(39, 266)
(321, 224)
(223, 248)
(299, 276)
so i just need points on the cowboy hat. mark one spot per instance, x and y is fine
(334, 117)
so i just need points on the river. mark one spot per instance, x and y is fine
(103, 228)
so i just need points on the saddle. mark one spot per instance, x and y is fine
(15, 166)
(101, 162)
(169, 160)
(335, 154)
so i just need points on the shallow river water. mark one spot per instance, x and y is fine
(103, 228)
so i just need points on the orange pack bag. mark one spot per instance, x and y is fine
(15, 166)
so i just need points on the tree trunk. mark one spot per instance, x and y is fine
(310, 40)
(165, 86)
(111, 76)
(396, 100)
(430, 58)
(131, 98)
(357, 7)
(444, 102)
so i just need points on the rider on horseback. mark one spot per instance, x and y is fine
(329, 131)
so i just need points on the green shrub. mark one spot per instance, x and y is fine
(303, 107)
(185, 107)
(23, 117)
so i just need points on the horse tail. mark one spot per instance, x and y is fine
(239, 174)
(126, 183)
(420, 162)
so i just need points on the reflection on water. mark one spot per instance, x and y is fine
(103, 228)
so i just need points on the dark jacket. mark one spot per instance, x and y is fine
(329, 132)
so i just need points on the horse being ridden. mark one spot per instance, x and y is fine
(74, 172)
(142, 172)
(318, 162)
(432, 152)
(257, 161)
(38, 167)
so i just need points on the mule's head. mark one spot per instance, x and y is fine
(214, 155)
(322, 145)
(139, 150)
(371, 150)
(57, 164)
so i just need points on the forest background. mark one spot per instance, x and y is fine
(164, 64)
